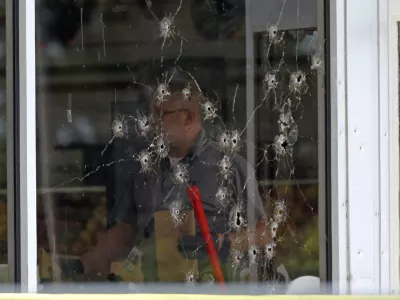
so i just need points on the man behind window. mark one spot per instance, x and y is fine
(154, 195)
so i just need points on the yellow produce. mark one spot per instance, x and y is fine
(99, 213)
(86, 237)
(3, 232)
(92, 225)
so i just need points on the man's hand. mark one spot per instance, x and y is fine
(111, 244)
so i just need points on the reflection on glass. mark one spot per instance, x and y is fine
(3, 149)
(143, 143)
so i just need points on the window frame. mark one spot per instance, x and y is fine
(10, 136)
(364, 230)
(21, 130)
(394, 49)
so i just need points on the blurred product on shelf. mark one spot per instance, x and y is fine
(48, 268)
(3, 220)
(78, 217)
(3, 234)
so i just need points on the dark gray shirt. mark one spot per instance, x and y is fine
(223, 196)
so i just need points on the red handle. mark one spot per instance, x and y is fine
(194, 196)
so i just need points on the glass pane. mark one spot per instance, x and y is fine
(178, 141)
(3, 148)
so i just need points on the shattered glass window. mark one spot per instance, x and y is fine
(178, 140)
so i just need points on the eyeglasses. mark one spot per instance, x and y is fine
(169, 112)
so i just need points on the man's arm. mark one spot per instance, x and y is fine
(111, 244)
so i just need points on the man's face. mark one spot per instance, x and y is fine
(172, 117)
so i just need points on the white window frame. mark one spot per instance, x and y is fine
(338, 148)
(364, 215)
(394, 20)
(21, 183)
(27, 151)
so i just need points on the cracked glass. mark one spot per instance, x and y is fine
(178, 141)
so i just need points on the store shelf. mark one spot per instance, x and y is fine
(67, 190)
(294, 182)
(102, 189)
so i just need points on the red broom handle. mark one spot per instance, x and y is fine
(195, 197)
